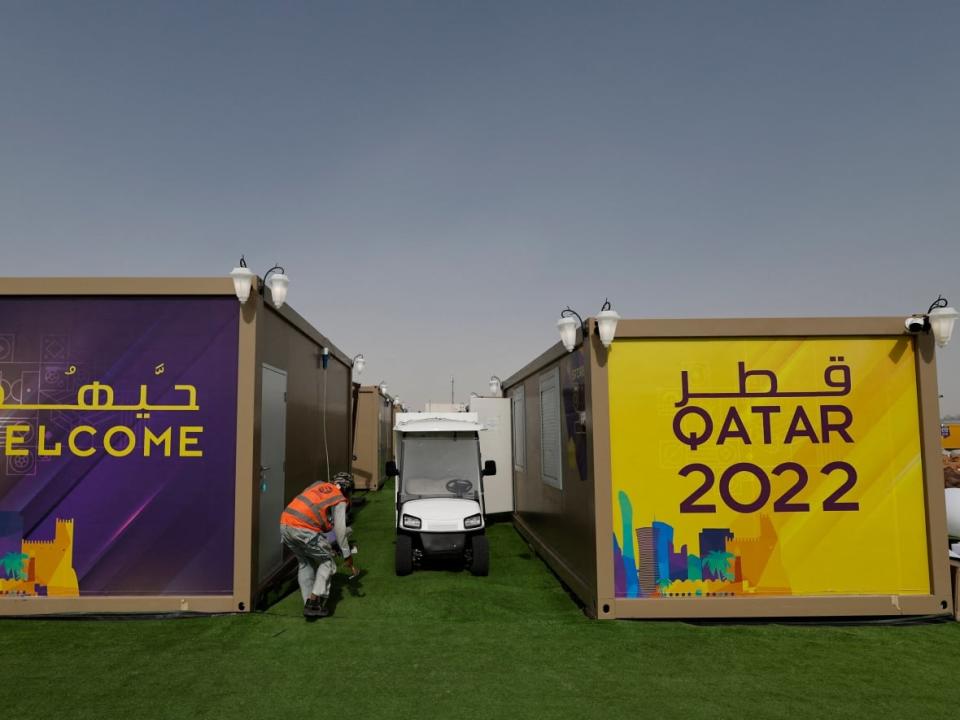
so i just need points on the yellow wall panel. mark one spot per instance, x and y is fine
(709, 437)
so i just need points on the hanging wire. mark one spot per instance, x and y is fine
(326, 448)
(321, 406)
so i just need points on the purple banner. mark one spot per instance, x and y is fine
(117, 445)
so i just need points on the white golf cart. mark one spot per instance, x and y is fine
(439, 490)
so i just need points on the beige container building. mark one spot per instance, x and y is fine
(289, 415)
(736, 468)
(373, 444)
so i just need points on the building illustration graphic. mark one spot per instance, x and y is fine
(36, 567)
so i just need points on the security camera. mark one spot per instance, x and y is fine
(916, 323)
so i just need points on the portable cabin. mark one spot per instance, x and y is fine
(950, 435)
(152, 431)
(373, 439)
(736, 468)
(493, 413)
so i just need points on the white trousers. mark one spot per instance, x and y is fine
(315, 557)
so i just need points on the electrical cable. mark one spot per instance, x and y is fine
(326, 449)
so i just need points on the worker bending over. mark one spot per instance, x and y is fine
(304, 528)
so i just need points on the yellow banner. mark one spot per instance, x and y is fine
(767, 466)
(950, 436)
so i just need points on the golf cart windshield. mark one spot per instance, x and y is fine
(440, 465)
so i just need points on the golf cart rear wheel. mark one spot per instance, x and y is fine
(404, 559)
(480, 551)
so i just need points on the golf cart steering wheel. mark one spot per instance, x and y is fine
(458, 486)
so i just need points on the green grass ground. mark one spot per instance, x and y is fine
(442, 644)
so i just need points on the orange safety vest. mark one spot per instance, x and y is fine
(311, 508)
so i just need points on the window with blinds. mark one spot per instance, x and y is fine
(551, 445)
(519, 417)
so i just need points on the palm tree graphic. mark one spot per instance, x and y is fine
(717, 563)
(13, 565)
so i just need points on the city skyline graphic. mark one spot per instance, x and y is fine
(655, 564)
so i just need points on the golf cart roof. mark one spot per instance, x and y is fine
(438, 422)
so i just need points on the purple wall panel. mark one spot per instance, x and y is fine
(141, 525)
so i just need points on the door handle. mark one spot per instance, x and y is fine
(264, 468)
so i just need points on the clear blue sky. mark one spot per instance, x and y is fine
(441, 179)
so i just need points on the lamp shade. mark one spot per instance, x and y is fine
(278, 284)
(607, 326)
(941, 323)
(383, 388)
(358, 364)
(495, 389)
(242, 282)
(568, 332)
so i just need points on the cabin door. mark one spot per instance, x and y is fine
(273, 441)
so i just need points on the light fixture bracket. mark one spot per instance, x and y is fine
(275, 268)
(940, 302)
(570, 312)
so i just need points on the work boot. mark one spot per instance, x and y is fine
(310, 608)
(316, 608)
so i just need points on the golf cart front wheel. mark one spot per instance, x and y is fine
(480, 552)
(404, 559)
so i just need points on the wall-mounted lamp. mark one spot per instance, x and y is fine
(242, 280)
(358, 364)
(570, 321)
(942, 320)
(396, 401)
(568, 328)
(278, 282)
(496, 389)
(383, 387)
(607, 320)
(325, 357)
(939, 319)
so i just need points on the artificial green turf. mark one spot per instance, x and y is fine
(442, 644)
